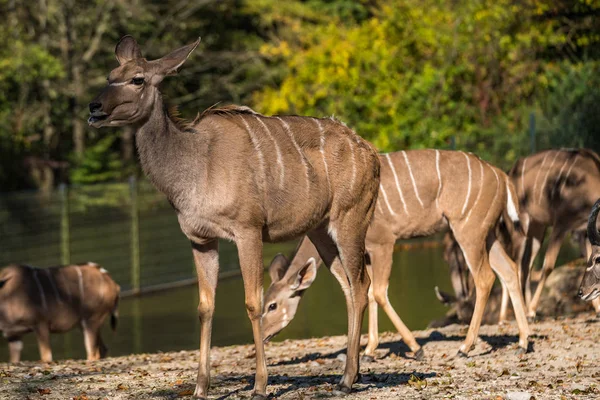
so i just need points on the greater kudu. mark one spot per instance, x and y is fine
(238, 175)
(556, 188)
(421, 192)
(54, 300)
(590, 284)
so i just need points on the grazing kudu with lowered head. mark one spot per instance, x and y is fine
(421, 192)
(556, 189)
(54, 300)
(590, 285)
(238, 175)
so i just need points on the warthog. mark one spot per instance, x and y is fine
(53, 300)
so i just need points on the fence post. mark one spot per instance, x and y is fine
(65, 240)
(135, 236)
(532, 131)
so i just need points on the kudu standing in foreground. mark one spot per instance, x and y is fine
(55, 300)
(238, 175)
(556, 188)
(590, 284)
(421, 192)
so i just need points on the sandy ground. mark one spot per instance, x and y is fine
(564, 364)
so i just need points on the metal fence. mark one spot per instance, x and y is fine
(129, 229)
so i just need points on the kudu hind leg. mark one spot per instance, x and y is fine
(251, 263)
(90, 338)
(382, 267)
(15, 346)
(42, 332)
(508, 273)
(206, 260)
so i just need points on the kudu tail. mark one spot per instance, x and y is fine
(511, 212)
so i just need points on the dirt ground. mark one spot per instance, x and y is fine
(564, 364)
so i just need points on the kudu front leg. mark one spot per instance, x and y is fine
(206, 260)
(15, 346)
(251, 263)
(42, 331)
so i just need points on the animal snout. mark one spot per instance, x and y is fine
(95, 107)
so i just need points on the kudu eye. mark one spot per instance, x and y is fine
(138, 81)
(597, 260)
(272, 306)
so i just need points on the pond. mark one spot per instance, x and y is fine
(167, 320)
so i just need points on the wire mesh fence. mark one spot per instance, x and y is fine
(129, 229)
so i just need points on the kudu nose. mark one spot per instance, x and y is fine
(95, 107)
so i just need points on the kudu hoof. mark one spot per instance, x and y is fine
(462, 354)
(521, 351)
(532, 320)
(341, 390)
(419, 354)
(257, 396)
(367, 359)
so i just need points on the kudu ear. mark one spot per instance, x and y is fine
(306, 276)
(278, 267)
(170, 63)
(127, 49)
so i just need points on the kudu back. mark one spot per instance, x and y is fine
(55, 300)
(421, 192)
(235, 174)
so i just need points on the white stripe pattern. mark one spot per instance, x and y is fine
(398, 187)
(537, 176)
(557, 183)
(439, 174)
(495, 193)
(80, 279)
(385, 198)
(255, 143)
(277, 150)
(351, 146)
(568, 173)
(287, 129)
(412, 178)
(469, 187)
(40, 289)
(322, 150)
(546, 177)
(478, 193)
(523, 177)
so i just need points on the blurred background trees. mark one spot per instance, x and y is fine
(403, 73)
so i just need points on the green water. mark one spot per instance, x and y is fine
(167, 321)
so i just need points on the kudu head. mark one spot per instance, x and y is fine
(590, 285)
(288, 283)
(133, 86)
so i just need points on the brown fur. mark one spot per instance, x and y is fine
(50, 301)
(238, 175)
(590, 284)
(471, 217)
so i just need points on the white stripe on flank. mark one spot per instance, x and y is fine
(385, 198)
(80, 279)
(412, 178)
(322, 150)
(387, 156)
(495, 194)
(261, 158)
(537, 176)
(439, 174)
(478, 193)
(277, 150)
(546, 177)
(286, 128)
(558, 177)
(469, 187)
(523, 177)
(40, 289)
(568, 173)
(50, 278)
(510, 205)
(353, 163)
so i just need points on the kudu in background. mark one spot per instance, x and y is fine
(55, 300)
(556, 189)
(421, 192)
(238, 175)
(590, 285)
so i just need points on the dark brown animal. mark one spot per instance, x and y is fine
(590, 284)
(421, 192)
(55, 300)
(238, 175)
